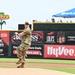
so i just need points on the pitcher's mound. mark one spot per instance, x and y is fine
(30, 71)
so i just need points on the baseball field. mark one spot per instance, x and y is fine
(37, 67)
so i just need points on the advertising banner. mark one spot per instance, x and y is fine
(37, 37)
(60, 37)
(4, 43)
(35, 51)
(59, 51)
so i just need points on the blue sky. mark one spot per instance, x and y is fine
(28, 10)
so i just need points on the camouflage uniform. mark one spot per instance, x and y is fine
(26, 42)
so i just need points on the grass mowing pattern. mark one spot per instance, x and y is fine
(54, 61)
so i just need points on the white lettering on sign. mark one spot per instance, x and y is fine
(59, 51)
(1, 44)
(37, 48)
(3, 35)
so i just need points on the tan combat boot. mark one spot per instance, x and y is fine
(21, 66)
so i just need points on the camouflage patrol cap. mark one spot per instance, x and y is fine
(26, 23)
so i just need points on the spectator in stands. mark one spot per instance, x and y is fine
(53, 20)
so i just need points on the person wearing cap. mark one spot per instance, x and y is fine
(25, 35)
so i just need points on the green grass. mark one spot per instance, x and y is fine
(53, 61)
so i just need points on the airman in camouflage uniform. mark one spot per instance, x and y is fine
(26, 42)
